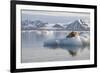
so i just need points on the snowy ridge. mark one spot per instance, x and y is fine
(77, 25)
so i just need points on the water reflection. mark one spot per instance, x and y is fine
(32, 43)
(36, 38)
(73, 50)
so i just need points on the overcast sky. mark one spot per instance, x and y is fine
(54, 16)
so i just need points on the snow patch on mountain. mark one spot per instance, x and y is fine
(77, 25)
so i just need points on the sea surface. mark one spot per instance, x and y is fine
(33, 49)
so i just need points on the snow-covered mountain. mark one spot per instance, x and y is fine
(39, 23)
(52, 27)
(58, 26)
(32, 24)
(78, 25)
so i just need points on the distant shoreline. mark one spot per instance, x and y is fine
(53, 30)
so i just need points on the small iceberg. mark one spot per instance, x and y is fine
(73, 39)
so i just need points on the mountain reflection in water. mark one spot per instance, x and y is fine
(33, 49)
(73, 50)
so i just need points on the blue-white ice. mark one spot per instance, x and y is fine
(81, 40)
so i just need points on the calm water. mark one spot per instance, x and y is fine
(33, 49)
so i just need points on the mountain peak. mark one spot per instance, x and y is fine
(78, 25)
(58, 26)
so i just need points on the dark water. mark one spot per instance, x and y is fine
(33, 49)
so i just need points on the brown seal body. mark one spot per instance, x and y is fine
(73, 34)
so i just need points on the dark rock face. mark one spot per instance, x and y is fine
(78, 25)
